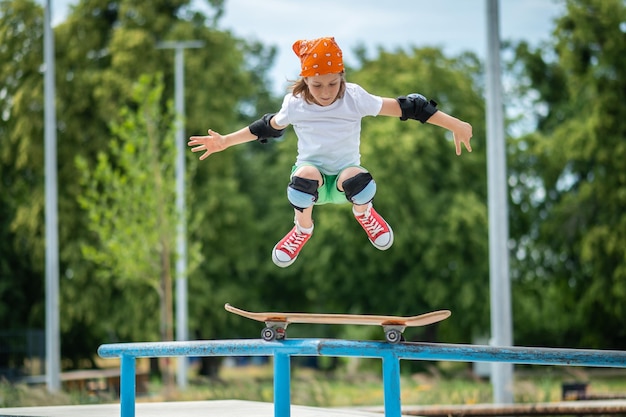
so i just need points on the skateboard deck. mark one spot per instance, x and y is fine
(393, 326)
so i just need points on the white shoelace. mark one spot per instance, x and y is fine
(294, 242)
(371, 225)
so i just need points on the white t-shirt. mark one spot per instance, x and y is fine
(329, 136)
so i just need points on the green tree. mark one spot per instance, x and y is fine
(101, 50)
(21, 162)
(570, 186)
(129, 200)
(21, 190)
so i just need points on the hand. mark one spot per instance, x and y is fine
(213, 142)
(461, 131)
(462, 134)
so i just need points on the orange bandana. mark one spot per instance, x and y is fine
(319, 56)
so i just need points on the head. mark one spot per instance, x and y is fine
(322, 90)
(322, 73)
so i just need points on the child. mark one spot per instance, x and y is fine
(326, 114)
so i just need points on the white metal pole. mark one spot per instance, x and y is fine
(181, 262)
(501, 323)
(182, 327)
(53, 351)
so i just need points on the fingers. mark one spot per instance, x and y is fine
(199, 138)
(462, 138)
(468, 137)
(199, 144)
(195, 140)
(465, 143)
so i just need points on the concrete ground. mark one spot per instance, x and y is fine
(225, 408)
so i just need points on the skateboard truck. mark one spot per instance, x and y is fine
(393, 334)
(274, 330)
(277, 330)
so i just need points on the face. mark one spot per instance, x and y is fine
(324, 88)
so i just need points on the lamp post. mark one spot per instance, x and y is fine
(500, 286)
(53, 351)
(181, 262)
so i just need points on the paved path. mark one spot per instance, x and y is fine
(225, 408)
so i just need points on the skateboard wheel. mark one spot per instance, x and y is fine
(268, 334)
(393, 336)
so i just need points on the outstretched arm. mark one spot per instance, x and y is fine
(461, 131)
(214, 142)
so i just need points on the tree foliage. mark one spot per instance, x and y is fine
(571, 188)
(128, 198)
(102, 49)
(21, 158)
(566, 180)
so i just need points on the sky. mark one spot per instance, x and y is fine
(453, 25)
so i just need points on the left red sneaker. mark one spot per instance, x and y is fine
(378, 230)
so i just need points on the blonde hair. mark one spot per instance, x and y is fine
(301, 88)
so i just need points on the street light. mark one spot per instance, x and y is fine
(181, 262)
(53, 336)
(500, 286)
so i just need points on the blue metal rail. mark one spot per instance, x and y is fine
(391, 354)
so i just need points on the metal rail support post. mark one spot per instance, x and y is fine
(282, 385)
(127, 386)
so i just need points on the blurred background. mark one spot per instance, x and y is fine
(564, 79)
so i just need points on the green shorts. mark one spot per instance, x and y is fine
(328, 193)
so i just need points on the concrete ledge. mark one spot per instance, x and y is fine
(225, 408)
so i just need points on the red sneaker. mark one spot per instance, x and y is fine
(378, 230)
(286, 251)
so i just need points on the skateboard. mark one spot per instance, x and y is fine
(393, 326)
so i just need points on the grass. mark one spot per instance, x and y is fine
(348, 386)
(31, 396)
(445, 384)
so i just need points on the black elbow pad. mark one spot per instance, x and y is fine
(417, 107)
(263, 130)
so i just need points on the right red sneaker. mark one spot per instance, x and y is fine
(286, 251)
(378, 230)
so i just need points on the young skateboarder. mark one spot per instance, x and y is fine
(325, 112)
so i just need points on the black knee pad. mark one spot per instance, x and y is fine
(360, 189)
(302, 192)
